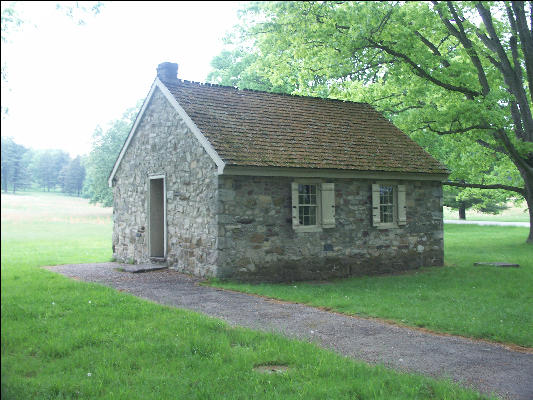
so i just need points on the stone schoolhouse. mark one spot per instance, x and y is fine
(249, 185)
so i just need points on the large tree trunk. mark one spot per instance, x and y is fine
(462, 211)
(529, 201)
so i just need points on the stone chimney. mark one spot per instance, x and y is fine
(167, 71)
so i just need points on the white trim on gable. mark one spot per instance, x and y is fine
(192, 126)
(188, 121)
(130, 135)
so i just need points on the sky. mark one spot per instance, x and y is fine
(65, 79)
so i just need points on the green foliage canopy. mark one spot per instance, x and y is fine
(106, 147)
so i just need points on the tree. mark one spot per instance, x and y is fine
(15, 172)
(106, 147)
(471, 163)
(492, 202)
(463, 70)
(46, 167)
(74, 175)
(232, 68)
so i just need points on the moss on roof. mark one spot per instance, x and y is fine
(252, 128)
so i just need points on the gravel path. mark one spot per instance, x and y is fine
(486, 367)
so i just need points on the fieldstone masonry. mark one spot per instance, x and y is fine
(257, 241)
(240, 227)
(164, 145)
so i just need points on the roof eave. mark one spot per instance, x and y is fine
(332, 173)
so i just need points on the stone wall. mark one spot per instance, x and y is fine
(164, 144)
(257, 240)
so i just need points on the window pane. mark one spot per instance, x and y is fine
(312, 217)
(307, 215)
(387, 214)
(385, 194)
(307, 194)
(386, 203)
(307, 204)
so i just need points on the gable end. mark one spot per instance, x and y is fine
(181, 112)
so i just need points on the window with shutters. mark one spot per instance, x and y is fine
(307, 205)
(388, 205)
(313, 206)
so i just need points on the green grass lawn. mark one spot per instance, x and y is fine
(63, 339)
(515, 213)
(481, 302)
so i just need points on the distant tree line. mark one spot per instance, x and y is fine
(50, 170)
(47, 170)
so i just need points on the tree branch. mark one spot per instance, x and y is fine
(486, 40)
(497, 149)
(423, 73)
(383, 22)
(526, 40)
(401, 110)
(433, 49)
(460, 34)
(513, 153)
(510, 76)
(516, 189)
(515, 113)
(460, 130)
(343, 27)
(530, 18)
(495, 62)
(386, 97)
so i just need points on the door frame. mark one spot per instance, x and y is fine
(150, 178)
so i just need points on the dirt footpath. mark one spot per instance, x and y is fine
(485, 367)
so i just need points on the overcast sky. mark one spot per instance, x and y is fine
(65, 79)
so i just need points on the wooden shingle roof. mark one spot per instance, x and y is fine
(252, 128)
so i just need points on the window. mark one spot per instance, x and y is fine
(388, 205)
(307, 204)
(313, 206)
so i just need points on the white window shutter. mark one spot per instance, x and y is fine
(294, 190)
(402, 208)
(327, 191)
(375, 205)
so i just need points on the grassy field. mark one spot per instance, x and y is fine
(481, 302)
(63, 339)
(39, 226)
(515, 213)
